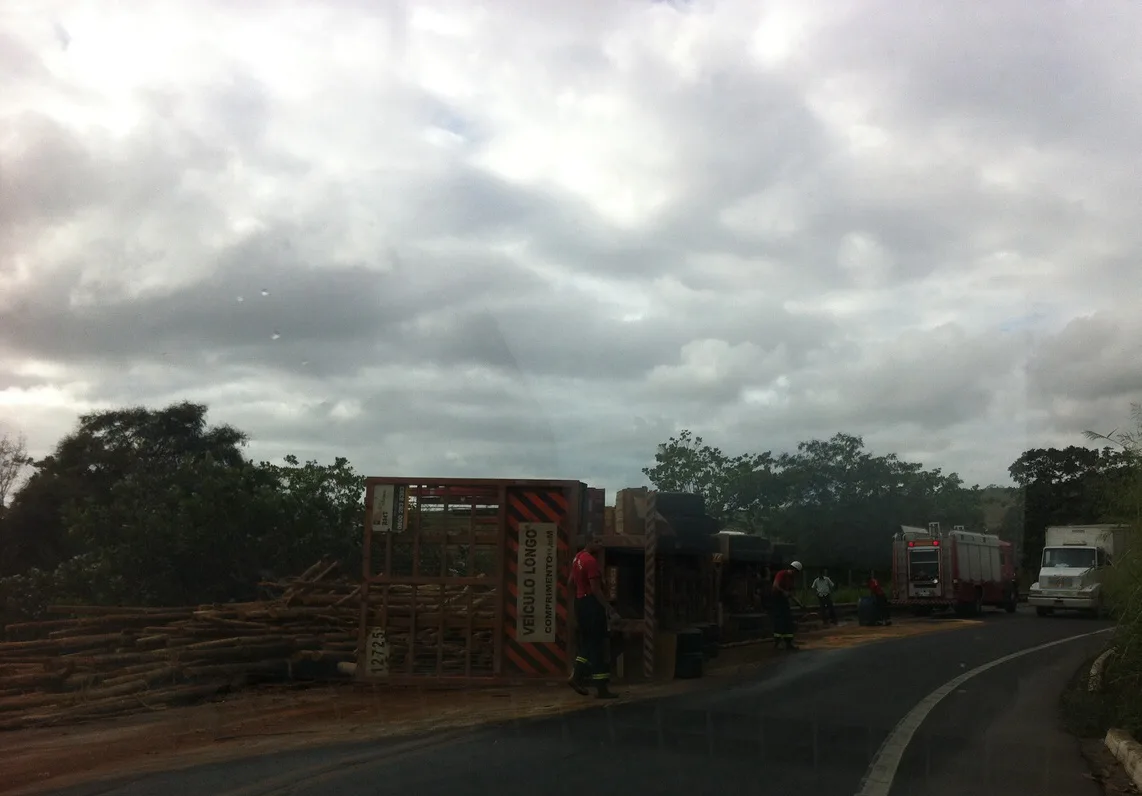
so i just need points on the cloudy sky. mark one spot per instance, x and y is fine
(536, 239)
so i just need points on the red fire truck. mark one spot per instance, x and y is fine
(961, 570)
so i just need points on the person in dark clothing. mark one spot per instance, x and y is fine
(883, 608)
(592, 613)
(783, 625)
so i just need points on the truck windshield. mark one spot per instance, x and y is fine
(1071, 557)
(923, 564)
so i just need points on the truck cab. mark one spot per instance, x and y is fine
(1071, 571)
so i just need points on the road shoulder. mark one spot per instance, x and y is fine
(1002, 732)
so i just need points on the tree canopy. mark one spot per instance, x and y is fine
(147, 506)
(157, 506)
(837, 501)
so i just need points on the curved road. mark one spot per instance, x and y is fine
(812, 722)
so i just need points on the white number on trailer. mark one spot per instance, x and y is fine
(377, 653)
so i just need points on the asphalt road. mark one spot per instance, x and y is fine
(811, 722)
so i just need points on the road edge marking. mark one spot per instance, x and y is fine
(877, 780)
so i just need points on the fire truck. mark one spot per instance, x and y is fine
(962, 571)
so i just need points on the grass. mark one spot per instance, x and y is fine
(1119, 704)
(1085, 714)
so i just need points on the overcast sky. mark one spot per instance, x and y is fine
(536, 239)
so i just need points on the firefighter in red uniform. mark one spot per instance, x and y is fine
(783, 587)
(592, 613)
(883, 611)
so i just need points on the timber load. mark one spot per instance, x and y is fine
(95, 661)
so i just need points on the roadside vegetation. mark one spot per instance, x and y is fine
(1120, 703)
(144, 506)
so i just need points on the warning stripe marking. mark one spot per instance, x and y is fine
(536, 506)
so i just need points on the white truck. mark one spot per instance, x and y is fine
(1075, 559)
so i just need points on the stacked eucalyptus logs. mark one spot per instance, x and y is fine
(97, 661)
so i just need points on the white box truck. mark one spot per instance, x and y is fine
(1074, 562)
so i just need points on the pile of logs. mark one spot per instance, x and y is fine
(99, 661)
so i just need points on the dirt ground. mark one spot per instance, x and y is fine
(1106, 769)
(275, 719)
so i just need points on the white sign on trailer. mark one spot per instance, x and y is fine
(537, 583)
(389, 504)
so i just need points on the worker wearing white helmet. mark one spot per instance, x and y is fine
(783, 588)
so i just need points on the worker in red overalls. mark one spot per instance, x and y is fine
(783, 588)
(883, 611)
(592, 613)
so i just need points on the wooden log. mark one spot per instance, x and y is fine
(306, 583)
(41, 680)
(63, 645)
(88, 659)
(56, 627)
(10, 704)
(108, 610)
(150, 677)
(111, 706)
(237, 669)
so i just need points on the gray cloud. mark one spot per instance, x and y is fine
(512, 243)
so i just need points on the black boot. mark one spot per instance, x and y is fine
(604, 691)
(577, 685)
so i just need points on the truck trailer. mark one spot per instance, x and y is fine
(1074, 563)
(961, 570)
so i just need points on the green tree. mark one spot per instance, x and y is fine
(742, 488)
(1060, 486)
(1121, 493)
(13, 461)
(836, 501)
(322, 513)
(196, 532)
(843, 504)
(1123, 674)
(88, 464)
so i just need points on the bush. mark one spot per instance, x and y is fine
(1123, 673)
(25, 597)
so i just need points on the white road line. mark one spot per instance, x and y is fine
(878, 779)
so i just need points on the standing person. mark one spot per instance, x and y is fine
(592, 612)
(883, 610)
(824, 586)
(783, 586)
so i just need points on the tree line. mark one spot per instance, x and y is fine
(840, 503)
(156, 506)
